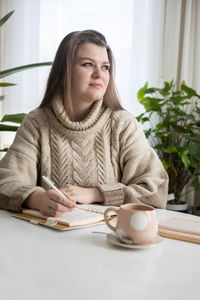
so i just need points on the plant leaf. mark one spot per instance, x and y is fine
(171, 149)
(195, 139)
(4, 150)
(185, 160)
(165, 90)
(142, 91)
(17, 118)
(164, 124)
(6, 17)
(151, 104)
(8, 127)
(179, 100)
(147, 132)
(6, 84)
(8, 72)
(189, 91)
(151, 90)
(144, 120)
(165, 164)
(2, 98)
(194, 149)
(139, 117)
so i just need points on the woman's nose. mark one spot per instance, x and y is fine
(96, 73)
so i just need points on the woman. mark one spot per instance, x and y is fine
(82, 139)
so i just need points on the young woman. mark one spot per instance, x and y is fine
(82, 139)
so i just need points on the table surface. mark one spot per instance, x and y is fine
(42, 263)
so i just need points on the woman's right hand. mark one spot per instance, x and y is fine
(49, 203)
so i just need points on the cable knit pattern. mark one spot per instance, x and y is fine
(83, 160)
(60, 150)
(77, 162)
(103, 153)
(100, 158)
(107, 150)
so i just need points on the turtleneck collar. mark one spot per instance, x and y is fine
(87, 122)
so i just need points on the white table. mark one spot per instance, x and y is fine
(40, 263)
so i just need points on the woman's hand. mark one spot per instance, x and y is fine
(49, 203)
(82, 195)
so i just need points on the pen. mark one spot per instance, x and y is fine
(52, 185)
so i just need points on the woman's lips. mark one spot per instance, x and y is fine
(96, 85)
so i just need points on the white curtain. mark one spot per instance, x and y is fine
(36, 29)
(152, 40)
(20, 46)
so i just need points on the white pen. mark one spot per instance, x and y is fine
(52, 185)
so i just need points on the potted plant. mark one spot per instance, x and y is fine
(17, 118)
(173, 117)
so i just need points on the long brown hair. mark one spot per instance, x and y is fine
(59, 81)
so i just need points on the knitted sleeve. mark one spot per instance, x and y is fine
(19, 167)
(143, 177)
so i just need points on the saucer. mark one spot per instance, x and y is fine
(114, 240)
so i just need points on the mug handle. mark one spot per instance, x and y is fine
(106, 217)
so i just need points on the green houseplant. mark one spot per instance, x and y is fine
(174, 132)
(16, 118)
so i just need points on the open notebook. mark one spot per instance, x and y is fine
(82, 216)
(180, 229)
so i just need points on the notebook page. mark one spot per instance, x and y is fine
(95, 208)
(79, 217)
(84, 214)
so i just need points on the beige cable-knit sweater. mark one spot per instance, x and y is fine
(107, 150)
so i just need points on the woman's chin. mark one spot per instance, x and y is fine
(95, 99)
(95, 96)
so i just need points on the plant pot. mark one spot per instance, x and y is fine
(182, 206)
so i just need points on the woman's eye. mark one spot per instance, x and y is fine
(106, 68)
(87, 64)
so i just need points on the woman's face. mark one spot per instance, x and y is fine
(90, 74)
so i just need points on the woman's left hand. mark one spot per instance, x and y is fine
(82, 195)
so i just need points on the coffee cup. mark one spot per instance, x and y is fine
(135, 222)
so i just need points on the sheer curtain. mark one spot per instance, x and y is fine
(36, 29)
(113, 18)
(20, 46)
(152, 40)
